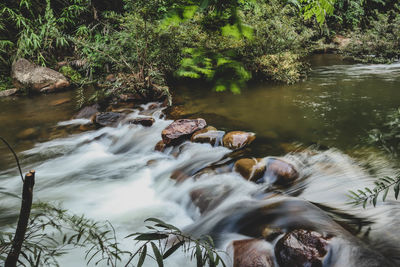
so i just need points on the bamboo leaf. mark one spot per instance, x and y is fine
(142, 256)
(211, 260)
(397, 189)
(157, 254)
(198, 256)
(385, 194)
(151, 236)
(365, 203)
(162, 223)
(361, 192)
(170, 251)
(374, 199)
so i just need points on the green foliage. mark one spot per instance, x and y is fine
(348, 14)
(318, 9)
(222, 71)
(379, 43)
(388, 137)
(382, 185)
(283, 67)
(53, 232)
(40, 32)
(203, 250)
(280, 41)
(212, 39)
(72, 74)
(5, 83)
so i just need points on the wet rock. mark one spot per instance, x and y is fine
(214, 170)
(251, 169)
(208, 135)
(238, 139)
(28, 133)
(8, 92)
(108, 118)
(151, 162)
(279, 172)
(59, 102)
(87, 112)
(252, 253)
(39, 79)
(208, 198)
(179, 175)
(160, 146)
(301, 248)
(180, 130)
(147, 122)
(86, 127)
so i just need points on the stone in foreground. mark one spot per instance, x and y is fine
(238, 139)
(38, 79)
(280, 172)
(251, 253)
(160, 146)
(208, 135)
(181, 130)
(251, 169)
(301, 248)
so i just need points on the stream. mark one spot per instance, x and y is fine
(320, 126)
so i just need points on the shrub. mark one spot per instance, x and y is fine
(283, 67)
(380, 43)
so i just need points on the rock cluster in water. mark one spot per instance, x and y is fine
(280, 233)
(197, 131)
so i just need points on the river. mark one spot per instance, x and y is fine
(320, 125)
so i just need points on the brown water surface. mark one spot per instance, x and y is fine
(26, 120)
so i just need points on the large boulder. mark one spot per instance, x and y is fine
(301, 248)
(181, 130)
(251, 253)
(251, 169)
(238, 139)
(38, 79)
(208, 135)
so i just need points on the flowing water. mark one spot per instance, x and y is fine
(114, 173)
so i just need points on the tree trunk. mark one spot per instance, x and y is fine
(26, 205)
